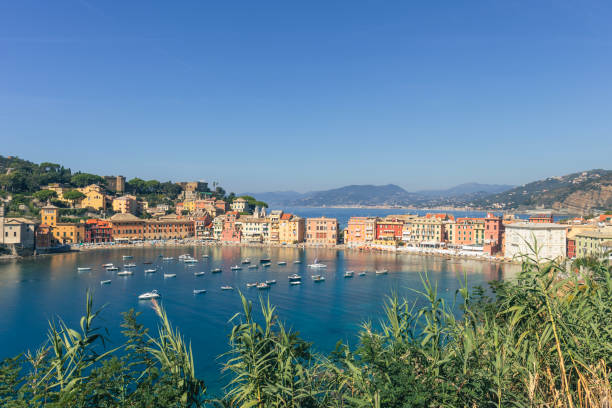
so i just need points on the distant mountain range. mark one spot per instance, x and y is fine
(386, 195)
(577, 193)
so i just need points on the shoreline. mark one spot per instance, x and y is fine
(439, 253)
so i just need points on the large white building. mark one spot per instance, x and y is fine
(521, 237)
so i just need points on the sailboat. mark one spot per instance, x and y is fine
(316, 264)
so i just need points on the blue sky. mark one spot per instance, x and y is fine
(265, 96)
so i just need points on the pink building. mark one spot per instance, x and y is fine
(231, 231)
(322, 231)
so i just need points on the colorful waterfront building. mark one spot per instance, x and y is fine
(291, 229)
(360, 231)
(68, 232)
(428, 230)
(98, 231)
(94, 197)
(322, 231)
(127, 204)
(494, 230)
(389, 229)
(254, 229)
(231, 229)
(274, 219)
(572, 231)
(467, 231)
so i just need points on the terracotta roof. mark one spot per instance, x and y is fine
(124, 217)
(286, 216)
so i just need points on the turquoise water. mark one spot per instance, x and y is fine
(34, 290)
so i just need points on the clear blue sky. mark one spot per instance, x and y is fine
(286, 95)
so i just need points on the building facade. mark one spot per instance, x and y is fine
(322, 231)
(291, 229)
(523, 238)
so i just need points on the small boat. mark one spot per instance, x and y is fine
(112, 268)
(226, 288)
(282, 263)
(199, 291)
(167, 258)
(110, 265)
(295, 282)
(149, 295)
(316, 264)
(205, 256)
(150, 270)
(105, 282)
(129, 265)
(191, 261)
(382, 272)
(348, 274)
(295, 277)
(265, 260)
(216, 270)
(246, 261)
(198, 273)
(362, 273)
(252, 266)
(236, 268)
(84, 268)
(184, 256)
(127, 257)
(263, 286)
(271, 282)
(147, 263)
(169, 275)
(252, 285)
(266, 265)
(297, 262)
(125, 273)
(318, 278)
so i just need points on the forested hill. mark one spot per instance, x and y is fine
(577, 193)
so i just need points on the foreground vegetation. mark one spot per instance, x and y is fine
(542, 340)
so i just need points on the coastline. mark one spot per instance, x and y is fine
(339, 247)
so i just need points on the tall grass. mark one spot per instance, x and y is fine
(541, 340)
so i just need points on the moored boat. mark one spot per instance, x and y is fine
(318, 278)
(226, 288)
(252, 285)
(294, 277)
(167, 258)
(83, 268)
(265, 260)
(129, 265)
(263, 286)
(105, 282)
(169, 275)
(297, 262)
(266, 265)
(282, 263)
(246, 261)
(112, 268)
(382, 272)
(252, 267)
(125, 273)
(363, 273)
(150, 270)
(271, 281)
(108, 265)
(349, 274)
(154, 294)
(295, 282)
(199, 291)
(216, 270)
(198, 273)
(236, 268)
(127, 257)
(317, 264)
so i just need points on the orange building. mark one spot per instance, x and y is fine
(360, 231)
(322, 231)
(98, 231)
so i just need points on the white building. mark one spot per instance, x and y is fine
(254, 229)
(549, 238)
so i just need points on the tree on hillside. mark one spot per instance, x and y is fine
(73, 196)
(85, 179)
(45, 195)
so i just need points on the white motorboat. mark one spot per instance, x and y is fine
(154, 294)
(198, 273)
(297, 262)
(199, 291)
(150, 270)
(226, 288)
(282, 263)
(129, 265)
(349, 274)
(216, 270)
(83, 268)
(263, 286)
(169, 275)
(108, 265)
(246, 261)
(318, 278)
(191, 261)
(252, 267)
(167, 258)
(294, 277)
(295, 282)
(266, 265)
(105, 282)
(382, 272)
(205, 256)
(112, 269)
(252, 285)
(271, 282)
(236, 268)
(362, 273)
(127, 257)
(316, 264)
(125, 273)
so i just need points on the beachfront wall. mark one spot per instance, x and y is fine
(322, 231)
(548, 238)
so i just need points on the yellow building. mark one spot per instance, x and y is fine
(427, 230)
(59, 190)
(49, 215)
(291, 229)
(189, 206)
(592, 242)
(68, 232)
(126, 204)
(94, 197)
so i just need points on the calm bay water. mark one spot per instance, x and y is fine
(35, 290)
